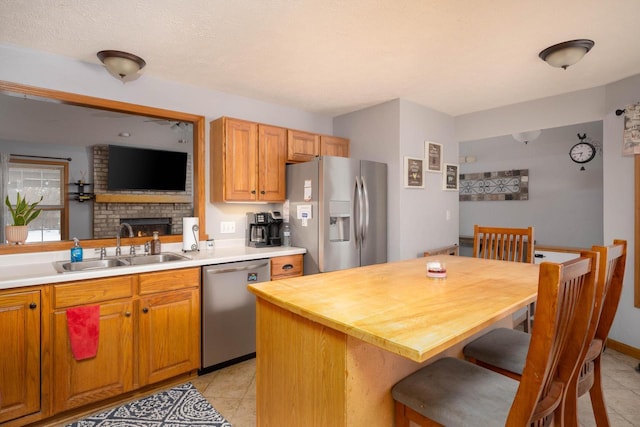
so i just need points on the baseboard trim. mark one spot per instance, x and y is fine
(623, 348)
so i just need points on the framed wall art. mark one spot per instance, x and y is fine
(450, 177)
(413, 172)
(433, 154)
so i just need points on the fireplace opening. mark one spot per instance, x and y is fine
(146, 226)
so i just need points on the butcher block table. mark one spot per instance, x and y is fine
(330, 346)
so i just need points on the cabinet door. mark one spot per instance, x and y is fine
(302, 146)
(240, 161)
(334, 146)
(109, 373)
(272, 149)
(169, 335)
(20, 354)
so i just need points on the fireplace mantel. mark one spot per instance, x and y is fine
(142, 198)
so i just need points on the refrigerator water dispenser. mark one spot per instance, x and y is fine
(339, 227)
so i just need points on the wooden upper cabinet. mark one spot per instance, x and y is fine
(272, 153)
(302, 146)
(247, 161)
(334, 146)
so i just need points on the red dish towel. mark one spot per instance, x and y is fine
(84, 328)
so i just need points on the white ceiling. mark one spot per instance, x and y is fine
(337, 56)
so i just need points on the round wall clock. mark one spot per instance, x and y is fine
(582, 152)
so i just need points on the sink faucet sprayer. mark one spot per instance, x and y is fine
(132, 250)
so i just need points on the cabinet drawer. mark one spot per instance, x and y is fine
(286, 266)
(93, 291)
(168, 280)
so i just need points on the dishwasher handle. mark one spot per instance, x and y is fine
(234, 269)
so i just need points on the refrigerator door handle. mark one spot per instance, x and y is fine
(356, 212)
(365, 224)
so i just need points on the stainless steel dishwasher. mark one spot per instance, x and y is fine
(229, 312)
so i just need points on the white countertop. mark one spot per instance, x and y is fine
(38, 268)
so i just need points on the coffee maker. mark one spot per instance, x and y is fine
(263, 229)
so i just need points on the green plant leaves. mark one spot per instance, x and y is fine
(23, 212)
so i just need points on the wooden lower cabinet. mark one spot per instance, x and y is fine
(283, 267)
(108, 374)
(149, 332)
(19, 354)
(169, 335)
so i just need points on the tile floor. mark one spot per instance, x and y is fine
(232, 391)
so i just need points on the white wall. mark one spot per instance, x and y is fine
(50, 71)
(618, 171)
(388, 132)
(564, 204)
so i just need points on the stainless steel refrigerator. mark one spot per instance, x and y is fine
(338, 212)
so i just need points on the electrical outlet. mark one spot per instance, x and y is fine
(227, 227)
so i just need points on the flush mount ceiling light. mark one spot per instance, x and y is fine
(525, 137)
(563, 55)
(121, 64)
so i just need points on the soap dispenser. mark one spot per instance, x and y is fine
(76, 251)
(155, 244)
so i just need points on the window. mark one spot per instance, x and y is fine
(33, 179)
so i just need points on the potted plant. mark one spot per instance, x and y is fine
(23, 213)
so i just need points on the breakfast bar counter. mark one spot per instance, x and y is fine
(330, 346)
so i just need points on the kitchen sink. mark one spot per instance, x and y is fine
(153, 259)
(118, 261)
(88, 264)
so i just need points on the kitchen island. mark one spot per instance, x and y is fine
(330, 346)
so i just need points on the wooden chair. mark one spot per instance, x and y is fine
(506, 244)
(445, 250)
(504, 350)
(503, 243)
(454, 392)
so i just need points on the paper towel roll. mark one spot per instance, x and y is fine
(190, 234)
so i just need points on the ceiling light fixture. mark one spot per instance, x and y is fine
(565, 54)
(121, 64)
(525, 137)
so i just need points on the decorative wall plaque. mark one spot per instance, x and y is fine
(500, 186)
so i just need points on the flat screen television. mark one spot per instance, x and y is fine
(133, 168)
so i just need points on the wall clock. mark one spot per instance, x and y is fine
(582, 152)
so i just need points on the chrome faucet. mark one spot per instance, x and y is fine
(132, 250)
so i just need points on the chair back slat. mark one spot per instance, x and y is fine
(616, 259)
(565, 304)
(503, 243)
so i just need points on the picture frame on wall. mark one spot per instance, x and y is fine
(450, 178)
(413, 172)
(434, 156)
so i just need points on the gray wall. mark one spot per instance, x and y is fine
(618, 171)
(565, 203)
(388, 132)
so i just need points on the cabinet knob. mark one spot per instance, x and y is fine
(127, 314)
(253, 191)
(145, 310)
(287, 267)
(263, 192)
(33, 306)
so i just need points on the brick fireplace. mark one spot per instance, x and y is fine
(108, 216)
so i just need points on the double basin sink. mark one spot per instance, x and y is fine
(116, 261)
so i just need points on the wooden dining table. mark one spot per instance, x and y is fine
(330, 346)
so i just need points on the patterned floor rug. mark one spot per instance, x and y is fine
(180, 406)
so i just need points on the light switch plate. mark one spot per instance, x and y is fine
(227, 227)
